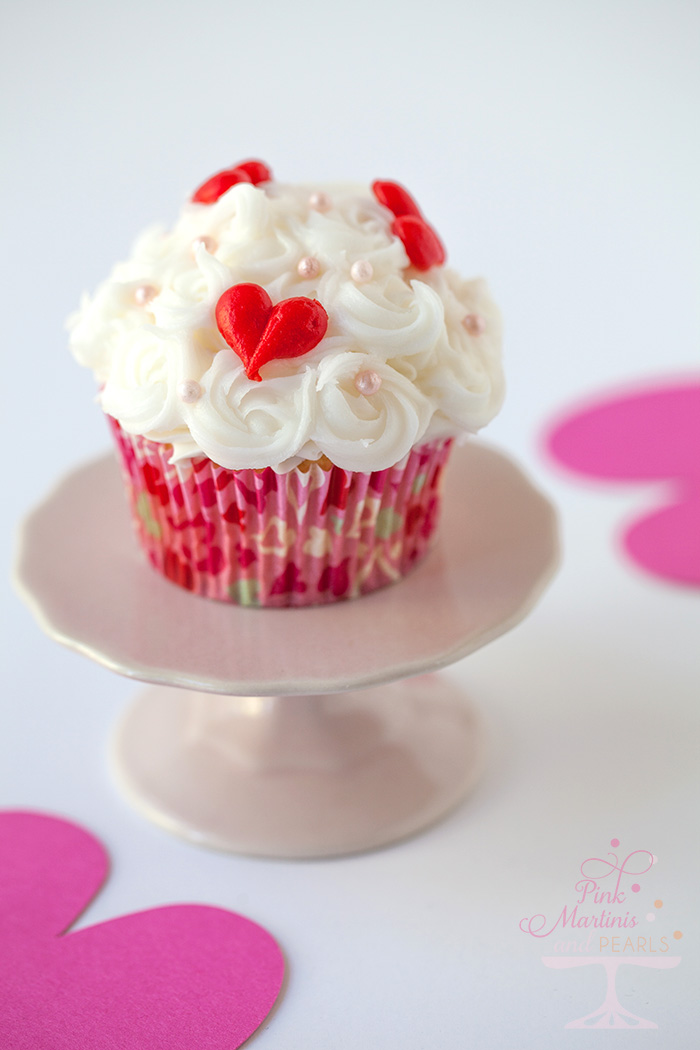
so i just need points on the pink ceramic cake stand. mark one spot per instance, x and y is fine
(306, 751)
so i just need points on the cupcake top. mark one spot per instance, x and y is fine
(277, 323)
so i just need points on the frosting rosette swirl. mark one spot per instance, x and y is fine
(430, 340)
(391, 420)
(251, 422)
(389, 317)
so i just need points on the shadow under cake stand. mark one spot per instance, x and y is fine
(274, 731)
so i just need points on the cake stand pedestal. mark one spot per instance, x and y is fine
(274, 731)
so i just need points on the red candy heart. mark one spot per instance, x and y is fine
(248, 171)
(423, 246)
(260, 332)
(394, 197)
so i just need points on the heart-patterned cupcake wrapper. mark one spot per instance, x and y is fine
(314, 535)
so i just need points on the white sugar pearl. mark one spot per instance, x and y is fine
(362, 271)
(189, 391)
(309, 267)
(475, 324)
(320, 201)
(368, 382)
(144, 293)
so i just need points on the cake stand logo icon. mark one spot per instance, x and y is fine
(599, 928)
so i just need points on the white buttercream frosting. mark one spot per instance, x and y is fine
(150, 332)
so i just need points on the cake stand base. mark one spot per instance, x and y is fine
(275, 754)
(302, 776)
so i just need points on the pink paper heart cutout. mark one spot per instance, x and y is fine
(173, 978)
(260, 332)
(645, 436)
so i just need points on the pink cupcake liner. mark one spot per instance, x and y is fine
(254, 537)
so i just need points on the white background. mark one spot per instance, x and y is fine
(555, 147)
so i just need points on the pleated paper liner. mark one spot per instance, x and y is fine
(317, 534)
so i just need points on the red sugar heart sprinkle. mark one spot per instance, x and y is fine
(260, 332)
(396, 198)
(423, 246)
(254, 171)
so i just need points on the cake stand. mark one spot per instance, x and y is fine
(282, 732)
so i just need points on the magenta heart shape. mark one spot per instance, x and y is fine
(179, 977)
(650, 437)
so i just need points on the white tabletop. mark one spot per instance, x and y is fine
(555, 148)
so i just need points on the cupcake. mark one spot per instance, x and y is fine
(284, 374)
